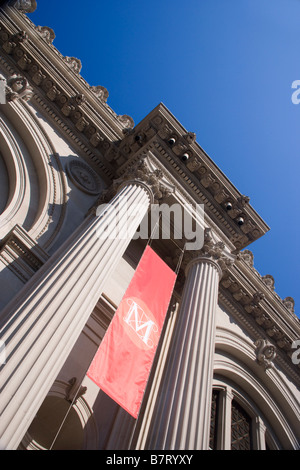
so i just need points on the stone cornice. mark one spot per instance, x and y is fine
(196, 172)
(73, 103)
(45, 62)
(256, 303)
(254, 330)
(111, 140)
(79, 110)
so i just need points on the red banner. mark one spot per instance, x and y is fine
(123, 361)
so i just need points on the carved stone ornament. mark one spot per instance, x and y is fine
(100, 92)
(269, 281)
(47, 33)
(142, 171)
(190, 137)
(84, 177)
(289, 303)
(247, 256)
(265, 353)
(27, 6)
(74, 64)
(243, 200)
(127, 121)
(18, 88)
(213, 250)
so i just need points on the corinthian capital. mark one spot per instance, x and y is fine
(143, 172)
(212, 250)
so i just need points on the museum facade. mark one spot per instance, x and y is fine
(226, 372)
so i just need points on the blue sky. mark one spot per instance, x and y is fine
(225, 69)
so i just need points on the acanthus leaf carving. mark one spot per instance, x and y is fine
(138, 172)
(26, 6)
(289, 303)
(126, 121)
(212, 249)
(74, 64)
(100, 92)
(247, 256)
(46, 33)
(141, 171)
(268, 280)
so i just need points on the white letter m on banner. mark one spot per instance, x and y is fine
(137, 319)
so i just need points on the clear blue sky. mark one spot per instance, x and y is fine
(225, 69)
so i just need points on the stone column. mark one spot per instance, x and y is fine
(259, 434)
(224, 421)
(181, 418)
(42, 325)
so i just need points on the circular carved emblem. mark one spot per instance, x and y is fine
(84, 177)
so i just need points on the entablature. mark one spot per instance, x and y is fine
(193, 170)
(256, 303)
(112, 140)
(79, 110)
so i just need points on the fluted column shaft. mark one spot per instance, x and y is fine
(181, 419)
(42, 325)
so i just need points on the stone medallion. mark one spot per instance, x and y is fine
(84, 177)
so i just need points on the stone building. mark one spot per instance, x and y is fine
(226, 371)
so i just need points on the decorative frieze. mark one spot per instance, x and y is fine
(268, 280)
(194, 167)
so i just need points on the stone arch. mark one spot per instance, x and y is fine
(37, 185)
(62, 423)
(235, 361)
